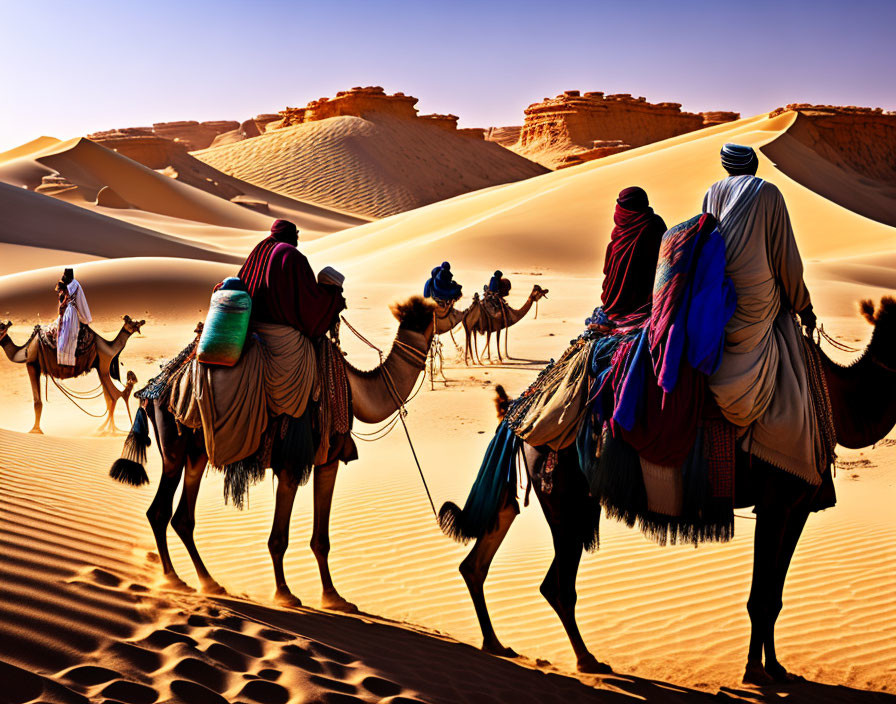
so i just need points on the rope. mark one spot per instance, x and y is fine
(401, 411)
(67, 394)
(836, 344)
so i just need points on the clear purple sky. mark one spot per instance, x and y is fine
(68, 68)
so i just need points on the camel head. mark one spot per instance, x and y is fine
(198, 328)
(538, 292)
(132, 326)
(883, 339)
(415, 314)
(4, 327)
(131, 378)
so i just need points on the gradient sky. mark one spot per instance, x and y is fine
(68, 68)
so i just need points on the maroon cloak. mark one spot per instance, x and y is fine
(630, 262)
(285, 291)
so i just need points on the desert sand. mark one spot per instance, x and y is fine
(85, 615)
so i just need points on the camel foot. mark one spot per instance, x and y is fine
(36, 431)
(210, 586)
(333, 602)
(284, 597)
(172, 581)
(780, 675)
(592, 666)
(497, 649)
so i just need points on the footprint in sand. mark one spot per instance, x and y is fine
(130, 692)
(381, 687)
(202, 673)
(228, 657)
(264, 691)
(89, 675)
(195, 693)
(297, 656)
(161, 639)
(242, 643)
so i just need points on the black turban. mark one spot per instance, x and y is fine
(285, 231)
(738, 159)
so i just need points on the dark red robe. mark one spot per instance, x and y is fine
(630, 262)
(285, 291)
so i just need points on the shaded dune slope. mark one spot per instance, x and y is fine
(375, 167)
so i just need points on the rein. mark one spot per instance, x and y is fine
(402, 411)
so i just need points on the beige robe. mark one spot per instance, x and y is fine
(762, 383)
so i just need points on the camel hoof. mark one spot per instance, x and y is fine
(212, 587)
(756, 674)
(334, 602)
(499, 650)
(172, 581)
(592, 666)
(780, 675)
(287, 598)
(36, 431)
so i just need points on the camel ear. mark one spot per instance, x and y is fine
(866, 307)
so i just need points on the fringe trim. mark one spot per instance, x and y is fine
(452, 524)
(130, 468)
(128, 472)
(239, 476)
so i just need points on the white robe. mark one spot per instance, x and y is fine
(76, 312)
(762, 382)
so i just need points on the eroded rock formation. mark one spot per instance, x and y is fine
(591, 125)
(194, 135)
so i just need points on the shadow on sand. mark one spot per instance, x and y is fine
(443, 670)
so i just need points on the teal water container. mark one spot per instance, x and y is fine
(225, 329)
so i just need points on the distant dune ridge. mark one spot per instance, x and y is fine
(370, 153)
(85, 617)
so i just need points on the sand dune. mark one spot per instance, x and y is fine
(35, 220)
(91, 167)
(374, 167)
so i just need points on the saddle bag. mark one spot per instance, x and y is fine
(226, 325)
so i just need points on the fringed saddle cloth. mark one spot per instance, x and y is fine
(85, 351)
(550, 412)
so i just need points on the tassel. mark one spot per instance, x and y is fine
(451, 523)
(130, 467)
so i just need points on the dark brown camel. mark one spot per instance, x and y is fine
(863, 397)
(103, 352)
(183, 454)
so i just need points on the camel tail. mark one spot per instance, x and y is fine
(494, 486)
(130, 468)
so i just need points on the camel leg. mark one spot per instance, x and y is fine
(563, 507)
(474, 570)
(468, 350)
(498, 345)
(184, 520)
(488, 345)
(159, 515)
(279, 538)
(110, 395)
(34, 378)
(779, 523)
(324, 483)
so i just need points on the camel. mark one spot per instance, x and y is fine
(863, 399)
(490, 322)
(469, 317)
(103, 354)
(376, 395)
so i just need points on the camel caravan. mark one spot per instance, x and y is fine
(487, 314)
(697, 386)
